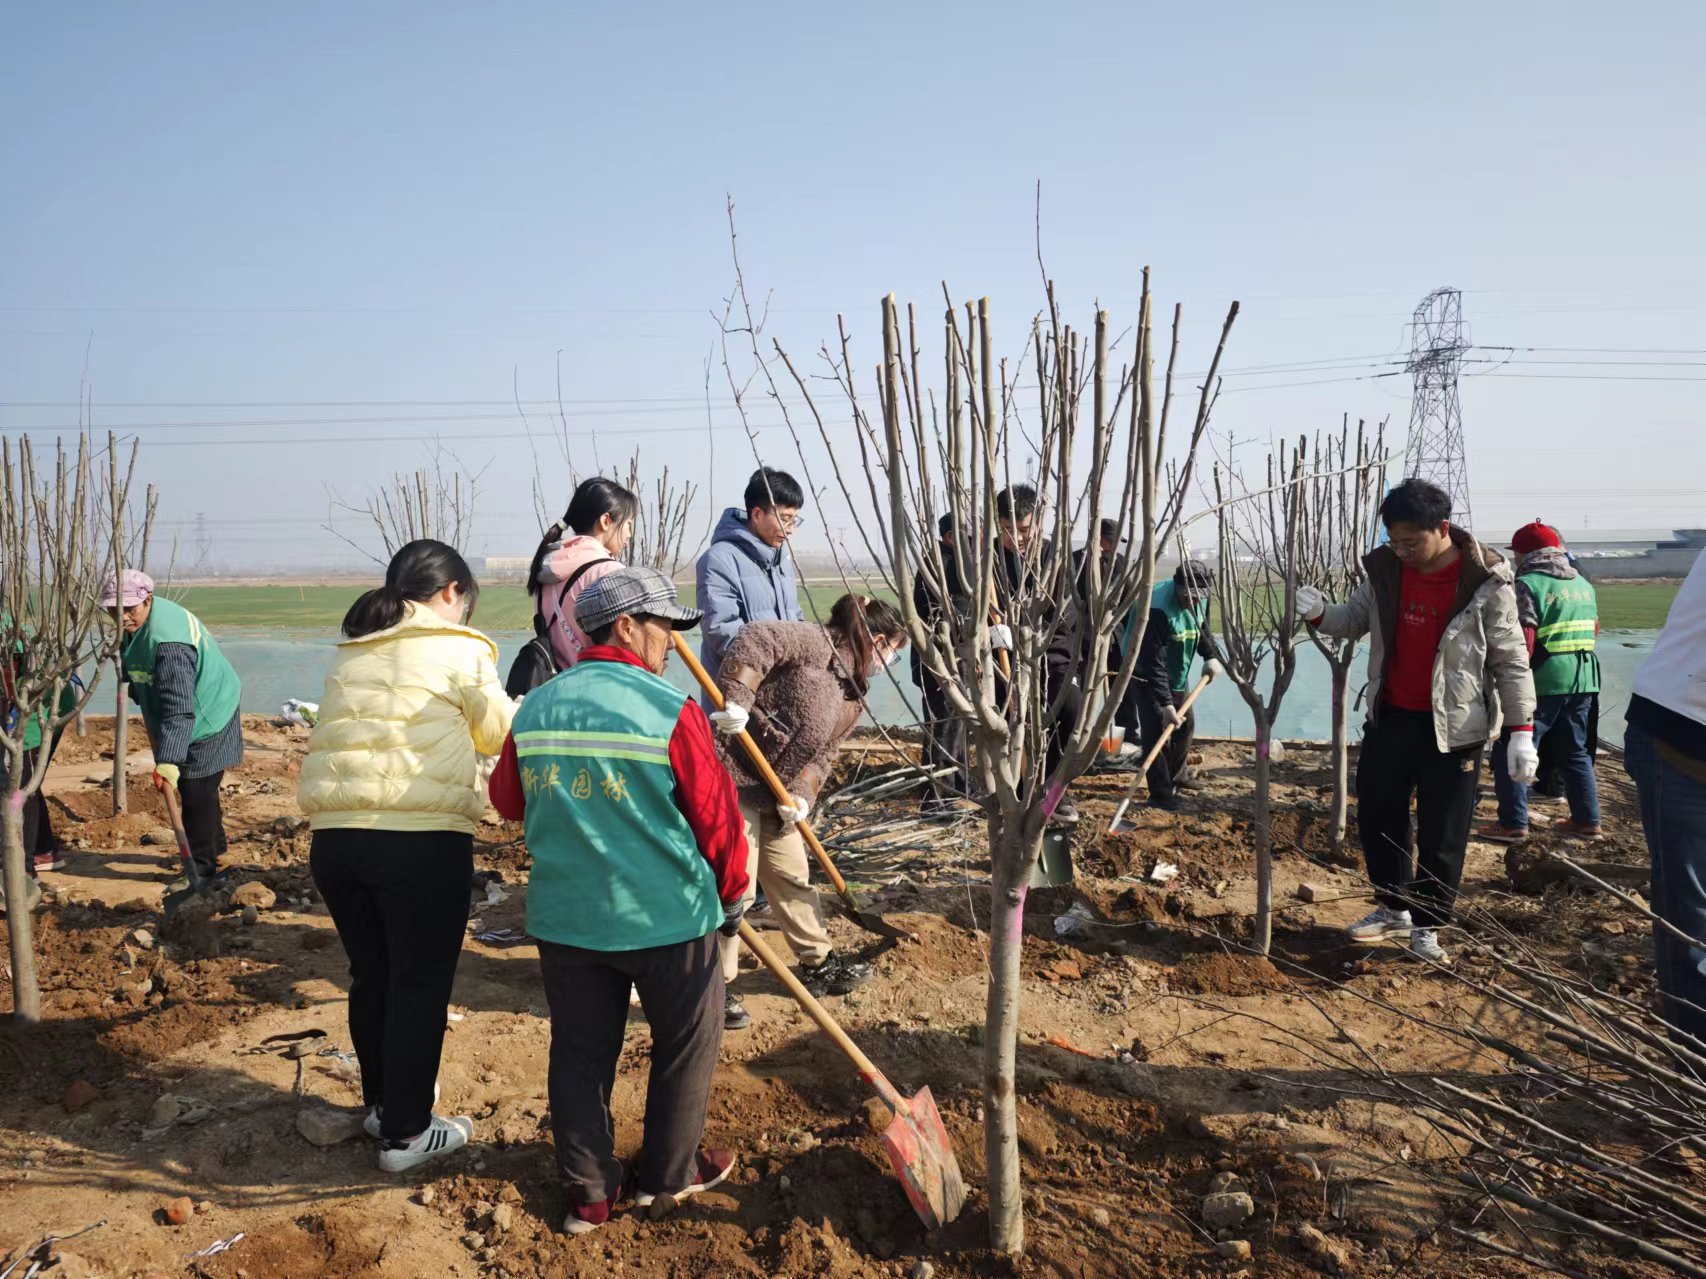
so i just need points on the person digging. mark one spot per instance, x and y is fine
(639, 871)
(799, 688)
(190, 700)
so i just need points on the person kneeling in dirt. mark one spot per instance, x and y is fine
(638, 864)
(389, 790)
(800, 688)
(1446, 654)
(190, 700)
(1176, 631)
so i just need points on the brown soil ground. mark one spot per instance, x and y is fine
(1154, 1055)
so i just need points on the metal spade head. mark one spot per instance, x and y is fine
(924, 1161)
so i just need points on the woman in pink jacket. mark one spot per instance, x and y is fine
(598, 524)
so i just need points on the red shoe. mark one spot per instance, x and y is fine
(714, 1168)
(584, 1218)
(1499, 833)
(1578, 830)
(49, 861)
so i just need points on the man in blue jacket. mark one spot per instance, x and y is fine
(745, 576)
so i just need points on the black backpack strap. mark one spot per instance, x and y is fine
(542, 628)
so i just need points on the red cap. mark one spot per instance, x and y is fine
(1534, 537)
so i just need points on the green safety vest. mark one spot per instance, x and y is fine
(32, 730)
(217, 692)
(1184, 627)
(615, 864)
(1569, 618)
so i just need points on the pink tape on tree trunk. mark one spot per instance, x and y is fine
(1051, 799)
(17, 800)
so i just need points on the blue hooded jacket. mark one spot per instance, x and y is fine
(739, 580)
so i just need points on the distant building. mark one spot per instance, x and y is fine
(1670, 557)
(503, 567)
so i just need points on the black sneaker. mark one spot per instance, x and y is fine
(836, 975)
(1172, 804)
(735, 1016)
(1066, 814)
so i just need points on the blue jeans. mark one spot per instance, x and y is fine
(1563, 720)
(1673, 815)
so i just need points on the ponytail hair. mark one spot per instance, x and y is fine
(859, 621)
(592, 501)
(416, 573)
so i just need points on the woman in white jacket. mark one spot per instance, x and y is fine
(389, 789)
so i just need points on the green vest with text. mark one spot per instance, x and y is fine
(615, 864)
(217, 692)
(1569, 620)
(1184, 632)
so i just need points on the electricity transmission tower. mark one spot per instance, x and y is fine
(1439, 340)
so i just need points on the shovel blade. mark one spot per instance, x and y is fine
(924, 1161)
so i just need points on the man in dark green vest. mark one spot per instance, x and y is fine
(1559, 614)
(1176, 632)
(639, 863)
(189, 697)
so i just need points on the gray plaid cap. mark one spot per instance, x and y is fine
(628, 591)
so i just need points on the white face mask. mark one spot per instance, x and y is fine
(892, 658)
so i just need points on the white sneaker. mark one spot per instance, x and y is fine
(1379, 924)
(1424, 944)
(441, 1138)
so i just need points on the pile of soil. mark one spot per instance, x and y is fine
(1140, 1081)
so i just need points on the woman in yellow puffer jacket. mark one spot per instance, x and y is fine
(389, 787)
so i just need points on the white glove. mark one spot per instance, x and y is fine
(1001, 637)
(731, 721)
(1311, 604)
(1170, 716)
(797, 812)
(1522, 761)
(1213, 669)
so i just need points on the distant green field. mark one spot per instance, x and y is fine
(1622, 605)
(503, 607)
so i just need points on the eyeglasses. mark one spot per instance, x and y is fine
(788, 522)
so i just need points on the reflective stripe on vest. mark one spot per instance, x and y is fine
(647, 750)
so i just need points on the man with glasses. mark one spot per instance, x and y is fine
(746, 575)
(1446, 656)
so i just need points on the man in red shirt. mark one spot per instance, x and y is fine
(1447, 662)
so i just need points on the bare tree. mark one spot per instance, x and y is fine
(434, 501)
(1260, 537)
(660, 531)
(1096, 439)
(1342, 505)
(66, 527)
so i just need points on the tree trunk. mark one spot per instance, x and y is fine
(1013, 860)
(26, 991)
(1341, 752)
(121, 721)
(1264, 841)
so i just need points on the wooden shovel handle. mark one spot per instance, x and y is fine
(762, 765)
(826, 1023)
(1166, 733)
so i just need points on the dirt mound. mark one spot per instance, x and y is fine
(1232, 975)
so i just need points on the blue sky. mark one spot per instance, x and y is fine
(324, 222)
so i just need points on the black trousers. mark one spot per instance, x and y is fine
(38, 825)
(400, 901)
(1164, 773)
(204, 820)
(681, 993)
(944, 740)
(1400, 758)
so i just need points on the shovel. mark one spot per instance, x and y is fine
(1166, 733)
(172, 901)
(874, 924)
(915, 1138)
